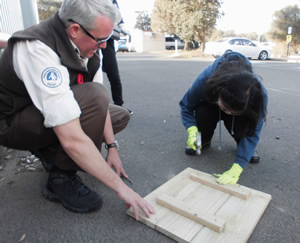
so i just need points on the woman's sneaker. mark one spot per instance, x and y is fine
(71, 193)
(255, 158)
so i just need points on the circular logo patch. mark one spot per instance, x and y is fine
(51, 77)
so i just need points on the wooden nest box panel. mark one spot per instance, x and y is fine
(193, 207)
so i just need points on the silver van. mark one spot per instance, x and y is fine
(170, 43)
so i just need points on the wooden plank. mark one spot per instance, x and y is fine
(210, 181)
(170, 187)
(195, 195)
(213, 222)
(241, 216)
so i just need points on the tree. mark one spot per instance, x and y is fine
(287, 17)
(47, 8)
(162, 16)
(191, 20)
(250, 36)
(195, 19)
(219, 34)
(143, 21)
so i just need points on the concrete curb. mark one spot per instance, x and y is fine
(294, 59)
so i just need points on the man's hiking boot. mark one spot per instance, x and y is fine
(71, 193)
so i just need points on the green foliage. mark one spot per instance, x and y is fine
(162, 16)
(143, 21)
(191, 20)
(47, 8)
(288, 16)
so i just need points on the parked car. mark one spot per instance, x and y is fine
(171, 43)
(241, 45)
(122, 45)
(125, 45)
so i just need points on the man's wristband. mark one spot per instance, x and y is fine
(112, 145)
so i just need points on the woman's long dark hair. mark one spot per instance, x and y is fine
(240, 90)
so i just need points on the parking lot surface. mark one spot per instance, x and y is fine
(152, 151)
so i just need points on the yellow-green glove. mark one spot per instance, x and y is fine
(192, 139)
(230, 176)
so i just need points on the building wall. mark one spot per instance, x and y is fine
(153, 42)
(147, 41)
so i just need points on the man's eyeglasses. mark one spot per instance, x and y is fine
(99, 42)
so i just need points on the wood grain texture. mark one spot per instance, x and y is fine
(199, 216)
(190, 197)
(233, 190)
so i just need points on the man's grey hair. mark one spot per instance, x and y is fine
(86, 11)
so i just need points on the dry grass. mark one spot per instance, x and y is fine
(191, 54)
(280, 49)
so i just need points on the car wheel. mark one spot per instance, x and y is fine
(172, 48)
(263, 55)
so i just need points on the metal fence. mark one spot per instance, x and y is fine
(11, 19)
(17, 14)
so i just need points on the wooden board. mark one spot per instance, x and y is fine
(193, 207)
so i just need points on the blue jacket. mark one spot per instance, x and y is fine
(195, 95)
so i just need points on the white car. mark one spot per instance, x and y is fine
(241, 45)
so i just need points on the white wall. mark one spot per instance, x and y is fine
(146, 41)
(153, 42)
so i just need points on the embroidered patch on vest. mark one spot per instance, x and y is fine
(51, 77)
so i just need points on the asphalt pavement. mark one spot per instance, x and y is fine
(152, 151)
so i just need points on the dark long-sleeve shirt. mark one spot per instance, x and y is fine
(195, 95)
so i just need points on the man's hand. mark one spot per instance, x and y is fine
(192, 139)
(86, 155)
(114, 161)
(231, 176)
(134, 200)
